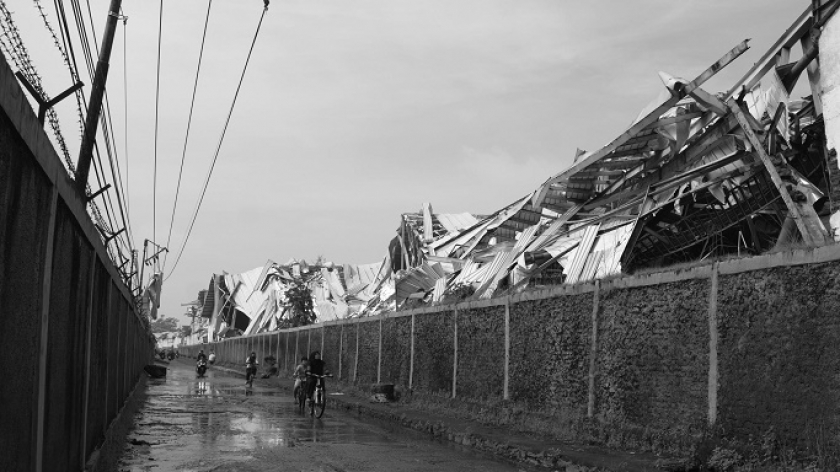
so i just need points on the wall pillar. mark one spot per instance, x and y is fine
(340, 348)
(411, 357)
(379, 362)
(713, 346)
(455, 356)
(46, 290)
(593, 352)
(506, 387)
(88, 335)
(356, 366)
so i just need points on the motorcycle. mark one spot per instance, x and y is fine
(201, 367)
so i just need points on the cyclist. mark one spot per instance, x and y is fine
(250, 366)
(316, 367)
(300, 374)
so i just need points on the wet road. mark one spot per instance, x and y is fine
(210, 424)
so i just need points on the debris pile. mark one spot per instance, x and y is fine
(696, 175)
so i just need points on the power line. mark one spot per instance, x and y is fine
(189, 124)
(221, 140)
(125, 110)
(157, 101)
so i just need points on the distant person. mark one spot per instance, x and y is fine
(300, 374)
(270, 367)
(251, 364)
(212, 357)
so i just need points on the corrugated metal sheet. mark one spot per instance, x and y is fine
(582, 253)
(454, 222)
(508, 259)
(469, 268)
(440, 289)
(591, 266)
(248, 298)
(209, 299)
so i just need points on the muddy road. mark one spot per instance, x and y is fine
(210, 424)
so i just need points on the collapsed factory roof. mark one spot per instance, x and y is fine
(696, 174)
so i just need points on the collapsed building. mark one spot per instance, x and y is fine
(696, 175)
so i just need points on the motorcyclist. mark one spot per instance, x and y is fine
(201, 356)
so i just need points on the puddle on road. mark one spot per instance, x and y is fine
(192, 423)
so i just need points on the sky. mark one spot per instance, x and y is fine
(353, 112)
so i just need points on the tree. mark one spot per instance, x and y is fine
(299, 298)
(164, 325)
(186, 331)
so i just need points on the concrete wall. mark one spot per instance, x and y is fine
(73, 347)
(739, 349)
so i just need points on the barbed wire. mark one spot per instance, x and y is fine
(14, 48)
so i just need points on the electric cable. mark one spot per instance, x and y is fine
(189, 124)
(157, 102)
(221, 140)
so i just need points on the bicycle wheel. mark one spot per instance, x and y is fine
(320, 403)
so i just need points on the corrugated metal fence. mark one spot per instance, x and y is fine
(72, 345)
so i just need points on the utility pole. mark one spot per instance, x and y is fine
(96, 95)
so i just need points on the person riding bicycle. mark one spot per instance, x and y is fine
(251, 366)
(316, 367)
(300, 374)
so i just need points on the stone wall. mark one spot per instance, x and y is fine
(738, 350)
(779, 335)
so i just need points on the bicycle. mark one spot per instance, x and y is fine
(318, 403)
(250, 373)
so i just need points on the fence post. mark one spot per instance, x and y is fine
(713, 346)
(356, 366)
(340, 348)
(379, 362)
(323, 338)
(506, 394)
(455, 357)
(411, 357)
(46, 289)
(286, 351)
(593, 352)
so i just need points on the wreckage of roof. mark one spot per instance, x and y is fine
(695, 174)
